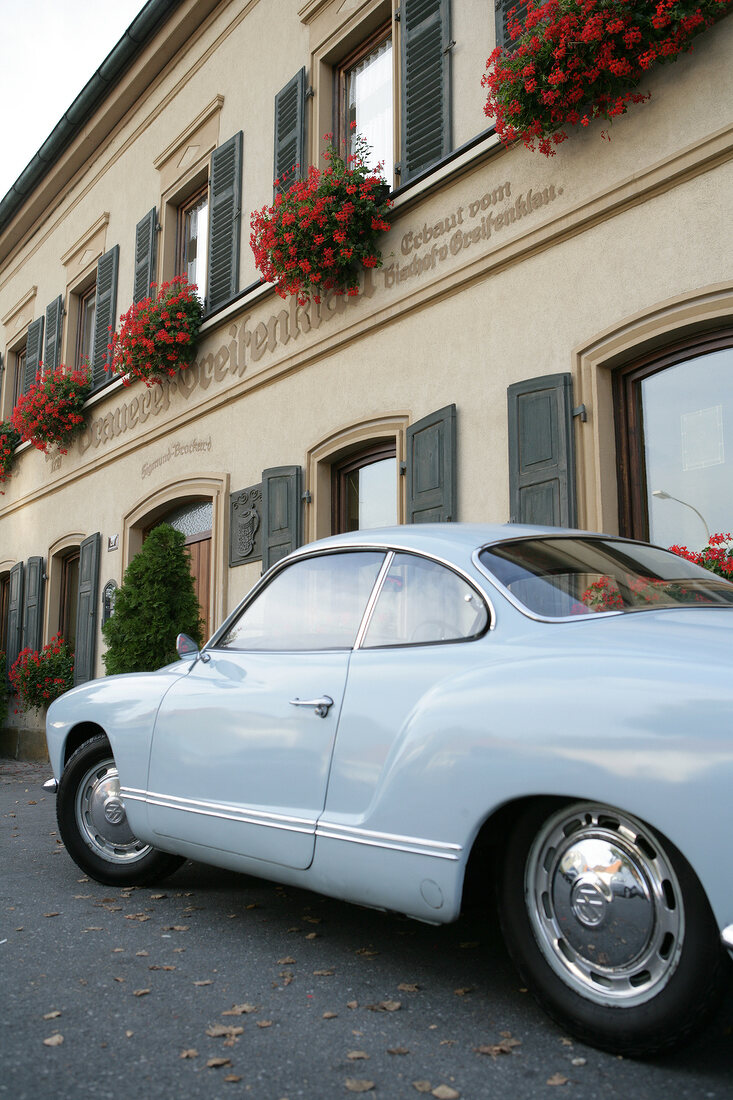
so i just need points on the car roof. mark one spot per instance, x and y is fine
(443, 540)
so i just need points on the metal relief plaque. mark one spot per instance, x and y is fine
(245, 525)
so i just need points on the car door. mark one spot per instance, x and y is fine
(242, 745)
(401, 729)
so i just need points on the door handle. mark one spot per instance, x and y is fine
(321, 705)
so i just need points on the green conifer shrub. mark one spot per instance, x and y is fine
(155, 603)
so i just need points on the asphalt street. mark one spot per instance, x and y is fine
(221, 985)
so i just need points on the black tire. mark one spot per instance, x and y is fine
(631, 974)
(93, 824)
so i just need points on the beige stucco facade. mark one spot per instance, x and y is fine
(501, 265)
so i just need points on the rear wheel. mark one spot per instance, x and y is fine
(93, 822)
(610, 928)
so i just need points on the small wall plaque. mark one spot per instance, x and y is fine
(109, 593)
(113, 542)
(245, 524)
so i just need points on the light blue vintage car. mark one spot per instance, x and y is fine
(389, 712)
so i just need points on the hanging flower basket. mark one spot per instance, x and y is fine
(50, 413)
(573, 61)
(39, 678)
(9, 440)
(158, 336)
(321, 234)
(717, 556)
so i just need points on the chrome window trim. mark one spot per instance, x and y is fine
(374, 596)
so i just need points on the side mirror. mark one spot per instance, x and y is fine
(186, 647)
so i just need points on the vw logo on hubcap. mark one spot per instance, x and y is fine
(114, 811)
(588, 900)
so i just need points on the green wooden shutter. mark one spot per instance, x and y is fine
(86, 609)
(54, 324)
(105, 313)
(431, 468)
(290, 132)
(224, 218)
(541, 456)
(501, 10)
(146, 242)
(281, 512)
(426, 114)
(15, 615)
(33, 604)
(33, 347)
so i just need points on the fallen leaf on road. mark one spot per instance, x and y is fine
(578, 1061)
(215, 1063)
(329, 1015)
(398, 1050)
(356, 1055)
(51, 914)
(52, 1015)
(557, 1079)
(422, 1086)
(358, 1084)
(264, 1023)
(239, 1010)
(129, 1034)
(142, 953)
(445, 1092)
(232, 1078)
(140, 992)
(174, 927)
(504, 1046)
(155, 966)
(53, 1040)
(408, 987)
(311, 935)
(324, 973)
(93, 929)
(191, 1053)
(207, 981)
(463, 990)
(352, 1004)
(385, 1006)
(136, 916)
(223, 1031)
(287, 961)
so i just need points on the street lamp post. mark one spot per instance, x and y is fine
(661, 494)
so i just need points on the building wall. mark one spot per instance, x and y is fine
(500, 265)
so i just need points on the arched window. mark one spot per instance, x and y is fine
(674, 427)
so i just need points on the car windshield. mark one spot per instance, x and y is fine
(561, 577)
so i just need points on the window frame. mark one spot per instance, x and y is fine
(86, 298)
(19, 377)
(69, 594)
(633, 516)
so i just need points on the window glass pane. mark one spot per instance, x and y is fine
(371, 495)
(19, 375)
(191, 519)
(688, 449)
(560, 577)
(69, 599)
(369, 105)
(422, 601)
(316, 603)
(195, 243)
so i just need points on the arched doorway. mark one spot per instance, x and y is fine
(195, 521)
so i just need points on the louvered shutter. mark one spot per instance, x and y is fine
(425, 48)
(86, 609)
(105, 311)
(146, 241)
(290, 132)
(224, 219)
(541, 456)
(33, 604)
(431, 468)
(281, 510)
(33, 348)
(502, 9)
(15, 615)
(54, 323)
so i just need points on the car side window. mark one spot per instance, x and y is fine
(422, 601)
(315, 603)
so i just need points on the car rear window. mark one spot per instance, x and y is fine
(564, 577)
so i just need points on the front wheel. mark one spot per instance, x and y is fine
(93, 822)
(610, 928)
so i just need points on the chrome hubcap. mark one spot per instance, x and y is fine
(605, 905)
(101, 817)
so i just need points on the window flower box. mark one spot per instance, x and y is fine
(50, 413)
(159, 334)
